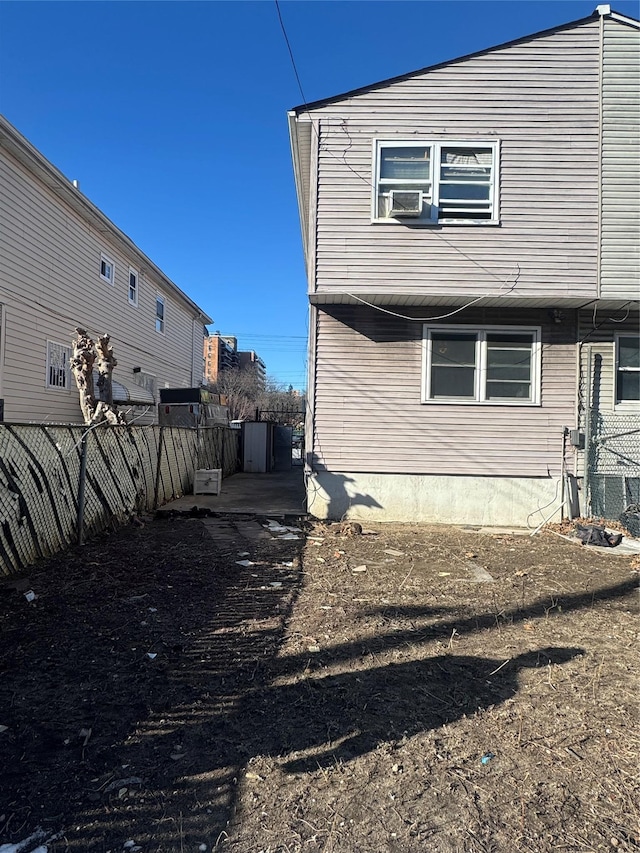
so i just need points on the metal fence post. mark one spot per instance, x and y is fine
(81, 488)
(587, 437)
(157, 486)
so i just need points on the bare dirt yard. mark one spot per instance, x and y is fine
(203, 684)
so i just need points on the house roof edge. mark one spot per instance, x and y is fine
(388, 81)
(13, 141)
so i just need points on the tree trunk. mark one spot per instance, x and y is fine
(84, 356)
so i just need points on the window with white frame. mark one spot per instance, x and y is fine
(132, 293)
(497, 364)
(58, 373)
(627, 369)
(107, 269)
(160, 314)
(436, 182)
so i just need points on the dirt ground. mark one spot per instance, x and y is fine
(412, 689)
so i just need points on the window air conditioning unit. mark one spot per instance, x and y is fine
(405, 203)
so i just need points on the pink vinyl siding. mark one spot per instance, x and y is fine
(541, 108)
(368, 414)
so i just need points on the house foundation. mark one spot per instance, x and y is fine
(424, 498)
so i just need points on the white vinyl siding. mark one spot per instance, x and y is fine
(496, 365)
(620, 265)
(46, 248)
(455, 181)
(58, 373)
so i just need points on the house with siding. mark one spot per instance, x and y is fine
(64, 265)
(470, 234)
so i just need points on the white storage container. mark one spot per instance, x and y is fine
(208, 482)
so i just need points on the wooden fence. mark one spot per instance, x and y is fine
(61, 484)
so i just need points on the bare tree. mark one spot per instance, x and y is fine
(250, 396)
(87, 355)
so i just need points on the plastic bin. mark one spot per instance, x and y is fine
(208, 481)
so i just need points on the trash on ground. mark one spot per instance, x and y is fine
(122, 783)
(245, 563)
(243, 553)
(152, 655)
(38, 835)
(597, 534)
(313, 649)
(486, 758)
(30, 596)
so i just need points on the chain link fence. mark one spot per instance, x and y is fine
(60, 484)
(613, 467)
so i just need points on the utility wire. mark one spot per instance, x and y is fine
(293, 62)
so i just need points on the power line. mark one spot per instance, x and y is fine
(293, 62)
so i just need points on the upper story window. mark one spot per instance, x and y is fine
(433, 182)
(58, 372)
(627, 370)
(492, 365)
(160, 314)
(107, 269)
(132, 294)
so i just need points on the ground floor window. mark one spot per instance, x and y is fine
(627, 369)
(491, 365)
(58, 374)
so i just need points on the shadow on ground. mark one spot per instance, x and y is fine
(145, 677)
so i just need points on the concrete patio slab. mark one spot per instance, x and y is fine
(277, 493)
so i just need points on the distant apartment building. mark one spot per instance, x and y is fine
(221, 353)
(253, 361)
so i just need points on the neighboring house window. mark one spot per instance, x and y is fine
(107, 269)
(58, 372)
(436, 182)
(159, 314)
(491, 365)
(627, 370)
(133, 287)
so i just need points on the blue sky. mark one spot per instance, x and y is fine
(172, 115)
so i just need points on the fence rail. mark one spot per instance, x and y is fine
(60, 484)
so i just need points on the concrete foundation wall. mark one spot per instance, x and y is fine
(499, 501)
